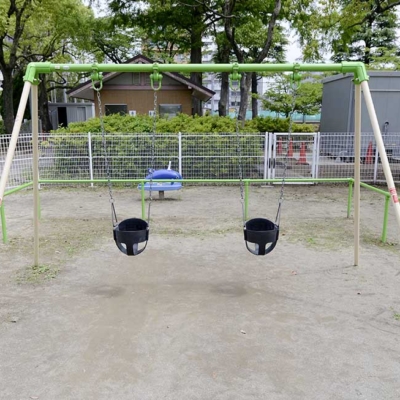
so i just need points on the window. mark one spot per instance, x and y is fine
(121, 109)
(170, 110)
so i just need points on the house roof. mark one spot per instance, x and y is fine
(85, 91)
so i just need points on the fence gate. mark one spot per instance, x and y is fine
(302, 151)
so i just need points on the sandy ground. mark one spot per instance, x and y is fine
(196, 316)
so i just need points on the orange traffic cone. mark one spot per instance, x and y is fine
(369, 158)
(302, 160)
(279, 147)
(290, 149)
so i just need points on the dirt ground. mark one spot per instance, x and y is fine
(196, 316)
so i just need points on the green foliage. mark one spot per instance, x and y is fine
(373, 41)
(276, 125)
(117, 43)
(2, 128)
(279, 97)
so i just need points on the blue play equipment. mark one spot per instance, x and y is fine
(162, 187)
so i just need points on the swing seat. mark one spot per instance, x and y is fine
(261, 232)
(129, 233)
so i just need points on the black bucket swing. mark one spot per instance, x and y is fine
(260, 234)
(130, 235)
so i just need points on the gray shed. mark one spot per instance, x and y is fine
(61, 114)
(337, 113)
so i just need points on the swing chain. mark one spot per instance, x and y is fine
(106, 161)
(236, 76)
(296, 77)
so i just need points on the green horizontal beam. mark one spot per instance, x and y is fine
(17, 189)
(305, 180)
(36, 68)
(374, 189)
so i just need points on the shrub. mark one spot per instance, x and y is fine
(269, 124)
(2, 127)
(206, 160)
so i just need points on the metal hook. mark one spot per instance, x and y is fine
(296, 77)
(97, 77)
(155, 77)
(235, 76)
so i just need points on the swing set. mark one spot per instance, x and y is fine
(260, 234)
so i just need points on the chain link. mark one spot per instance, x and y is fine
(239, 153)
(286, 159)
(106, 161)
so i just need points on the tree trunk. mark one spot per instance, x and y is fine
(7, 96)
(368, 44)
(254, 92)
(223, 104)
(195, 58)
(224, 51)
(44, 106)
(245, 84)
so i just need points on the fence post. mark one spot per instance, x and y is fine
(265, 155)
(376, 164)
(180, 153)
(270, 141)
(90, 158)
(317, 138)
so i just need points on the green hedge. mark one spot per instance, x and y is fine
(203, 164)
(2, 127)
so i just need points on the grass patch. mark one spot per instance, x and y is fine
(37, 274)
(329, 234)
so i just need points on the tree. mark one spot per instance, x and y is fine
(113, 42)
(373, 41)
(172, 24)
(307, 96)
(45, 30)
(331, 26)
(256, 34)
(13, 17)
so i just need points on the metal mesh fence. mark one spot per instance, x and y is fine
(336, 156)
(202, 156)
(294, 156)
(21, 167)
(216, 156)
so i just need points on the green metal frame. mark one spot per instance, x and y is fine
(34, 69)
(247, 183)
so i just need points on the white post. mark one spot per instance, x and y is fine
(376, 165)
(14, 138)
(265, 155)
(318, 139)
(269, 155)
(273, 154)
(35, 172)
(381, 149)
(180, 153)
(314, 156)
(357, 175)
(90, 158)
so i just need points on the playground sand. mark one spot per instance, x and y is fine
(196, 316)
